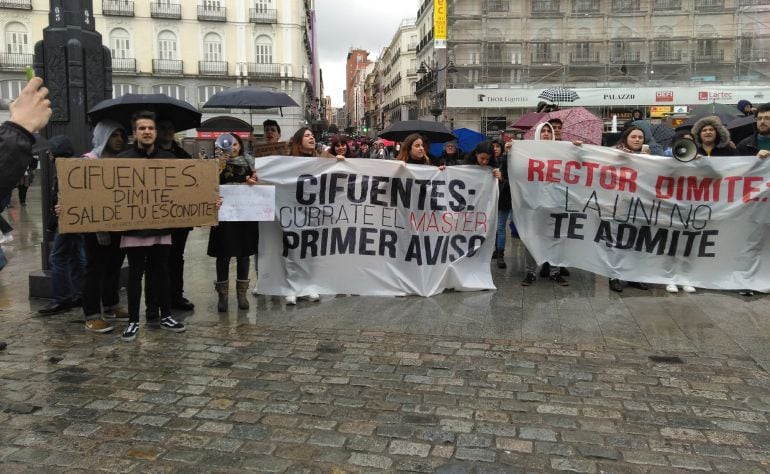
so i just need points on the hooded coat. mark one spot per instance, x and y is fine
(101, 136)
(722, 146)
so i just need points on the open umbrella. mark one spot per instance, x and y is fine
(527, 121)
(183, 115)
(559, 94)
(724, 118)
(741, 128)
(467, 140)
(434, 132)
(662, 134)
(250, 98)
(577, 124)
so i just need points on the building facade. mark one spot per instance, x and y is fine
(355, 73)
(394, 95)
(622, 44)
(187, 49)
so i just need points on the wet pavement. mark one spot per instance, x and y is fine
(544, 378)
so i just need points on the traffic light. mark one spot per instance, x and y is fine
(365, 129)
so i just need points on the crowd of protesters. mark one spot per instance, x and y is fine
(86, 267)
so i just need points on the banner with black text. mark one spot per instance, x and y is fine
(644, 218)
(375, 227)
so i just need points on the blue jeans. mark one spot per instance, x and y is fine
(68, 262)
(3, 260)
(503, 215)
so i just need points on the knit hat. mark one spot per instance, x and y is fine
(61, 146)
(742, 105)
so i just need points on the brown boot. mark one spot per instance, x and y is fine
(222, 289)
(241, 286)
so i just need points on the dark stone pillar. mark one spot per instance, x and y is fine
(77, 69)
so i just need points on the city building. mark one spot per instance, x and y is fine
(620, 46)
(355, 73)
(188, 49)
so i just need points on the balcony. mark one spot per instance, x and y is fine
(585, 7)
(498, 6)
(212, 13)
(667, 5)
(544, 59)
(751, 3)
(167, 67)
(118, 7)
(714, 56)
(212, 68)
(626, 6)
(709, 5)
(263, 15)
(666, 55)
(545, 8)
(584, 57)
(169, 11)
(15, 61)
(755, 55)
(411, 72)
(425, 84)
(123, 65)
(264, 70)
(16, 4)
(633, 57)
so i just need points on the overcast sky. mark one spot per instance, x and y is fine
(358, 23)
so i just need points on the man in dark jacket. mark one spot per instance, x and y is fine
(759, 143)
(29, 113)
(166, 142)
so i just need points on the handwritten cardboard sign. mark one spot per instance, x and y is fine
(269, 149)
(247, 203)
(127, 194)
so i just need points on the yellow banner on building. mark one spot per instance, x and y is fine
(439, 23)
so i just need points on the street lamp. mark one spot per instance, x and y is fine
(436, 108)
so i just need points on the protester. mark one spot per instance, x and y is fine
(147, 249)
(67, 257)
(272, 131)
(712, 138)
(631, 141)
(413, 151)
(450, 156)
(29, 113)
(363, 150)
(339, 147)
(26, 181)
(231, 239)
(483, 155)
(104, 257)
(166, 141)
(759, 143)
(746, 108)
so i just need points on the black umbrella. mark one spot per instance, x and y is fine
(724, 118)
(183, 115)
(249, 98)
(434, 132)
(741, 128)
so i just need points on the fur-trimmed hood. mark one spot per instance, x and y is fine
(723, 135)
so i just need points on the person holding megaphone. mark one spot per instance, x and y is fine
(712, 138)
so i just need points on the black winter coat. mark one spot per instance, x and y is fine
(15, 155)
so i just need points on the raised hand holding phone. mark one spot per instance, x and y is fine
(32, 109)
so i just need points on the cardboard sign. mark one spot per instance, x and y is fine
(269, 149)
(241, 202)
(135, 193)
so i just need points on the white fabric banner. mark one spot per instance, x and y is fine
(375, 227)
(644, 218)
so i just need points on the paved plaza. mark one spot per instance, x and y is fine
(537, 379)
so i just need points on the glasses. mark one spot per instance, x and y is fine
(763, 118)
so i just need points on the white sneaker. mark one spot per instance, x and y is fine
(291, 300)
(254, 291)
(6, 238)
(671, 288)
(688, 289)
(313, 297)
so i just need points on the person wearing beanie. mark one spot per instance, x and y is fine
(746, 107)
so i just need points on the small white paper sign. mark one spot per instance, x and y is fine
(242, 202)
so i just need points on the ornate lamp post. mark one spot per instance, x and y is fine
(436, 107)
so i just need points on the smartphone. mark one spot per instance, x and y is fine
(646, 149)
(30, 73)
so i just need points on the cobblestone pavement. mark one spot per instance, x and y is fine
(540, 379)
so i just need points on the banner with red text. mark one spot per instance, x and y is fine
(375, 227)
(644, 218)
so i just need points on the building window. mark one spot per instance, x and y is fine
(263, 50)
(212, 47)
(167, 45)
(16, 38)
(171, 90)
(120, 44)
(205, 92)
(119, 90)
(212, 4)
(10, 90)
(263, 6)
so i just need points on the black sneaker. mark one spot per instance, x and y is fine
(545, 270)
(170, 324)
(529, 278)
(563, 271)
(559, 279)
(131, 331)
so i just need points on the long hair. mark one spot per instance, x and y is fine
(295, 144)
(623, 140)
(406, 147)
(482, 147)
(340, 140)
(240, 142)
